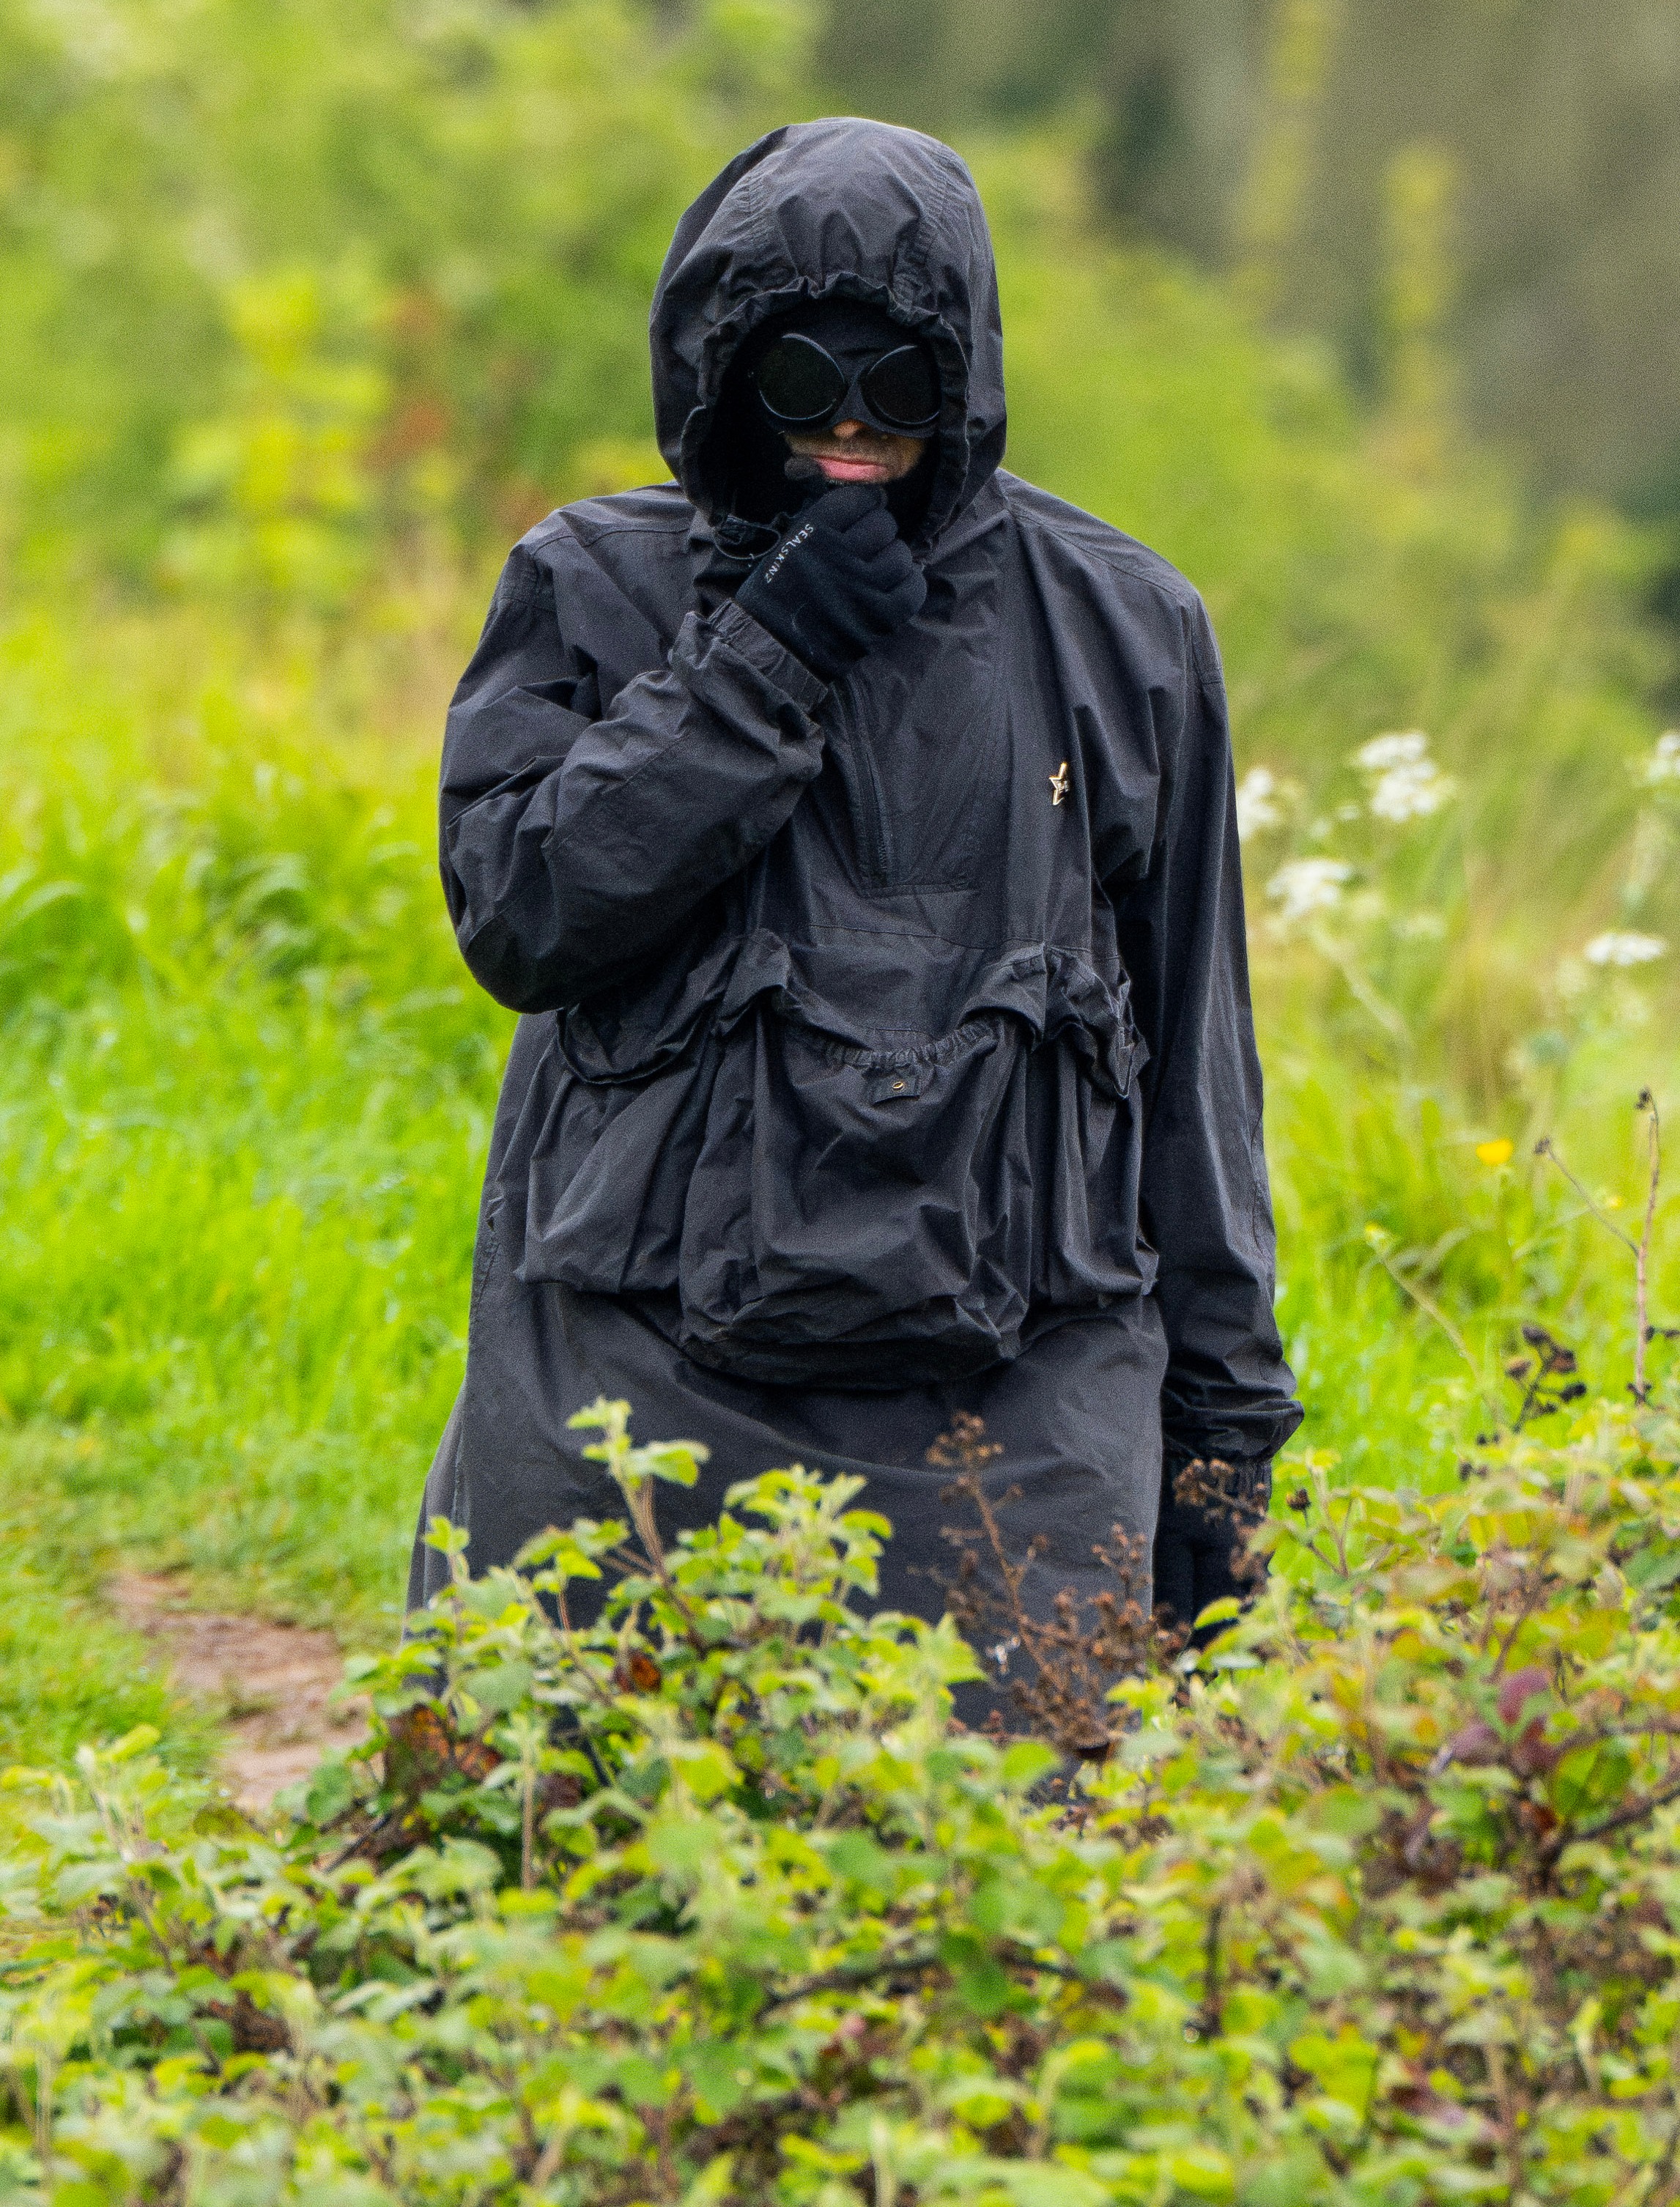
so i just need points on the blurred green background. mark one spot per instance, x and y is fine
(1367, 314)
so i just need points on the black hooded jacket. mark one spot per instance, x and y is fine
(871, 1033)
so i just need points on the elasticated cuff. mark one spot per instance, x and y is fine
(736, 628)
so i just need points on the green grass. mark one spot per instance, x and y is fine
(68, 1673)
(245, 1092)
(235, 1245)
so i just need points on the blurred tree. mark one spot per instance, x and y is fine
(282, 280)
(944, 65)
(1563, 127)
(1299, 51)
(1420, 263)
(1263, 134)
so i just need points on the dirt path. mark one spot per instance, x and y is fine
(271, 1680)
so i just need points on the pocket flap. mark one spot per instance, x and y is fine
(900, 1084)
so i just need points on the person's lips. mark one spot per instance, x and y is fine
(844, 468)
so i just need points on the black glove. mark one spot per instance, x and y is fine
(1207, 1512)
(840, 580)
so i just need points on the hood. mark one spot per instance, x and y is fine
(840, 207)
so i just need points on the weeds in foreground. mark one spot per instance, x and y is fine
(1377, 1897)
(1546, 1380)
(1057, 1665)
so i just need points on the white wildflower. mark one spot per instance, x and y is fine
(1618, 949)
(1307, 885)
(1406, 782)
(1382, 752)
(1411, 792)
(1663, 764)
(1258, 807)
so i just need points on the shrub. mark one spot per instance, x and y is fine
(713, 1901)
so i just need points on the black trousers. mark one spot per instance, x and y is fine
(1072, 1430)
(1198, 1544)
(1076, 1420)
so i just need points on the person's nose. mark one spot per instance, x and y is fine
(848, 428)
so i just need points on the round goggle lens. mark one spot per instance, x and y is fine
(903, 388)
(798, 381)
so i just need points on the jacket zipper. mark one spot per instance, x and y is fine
(862, 790)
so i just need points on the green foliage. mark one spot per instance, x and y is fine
(713, 1901)
(285, 283)
(244, 1094)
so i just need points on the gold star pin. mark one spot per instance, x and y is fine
(1059, 783)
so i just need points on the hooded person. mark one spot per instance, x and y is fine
(856, 838)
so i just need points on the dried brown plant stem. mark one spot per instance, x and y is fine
(1648, 1103)
(1071, 1654)
(639, 1494)
(1640, 1250)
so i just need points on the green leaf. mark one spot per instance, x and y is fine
(1219, 1612)
(686, 1845)
(982, 1982)
(1027, 1761)
(715, 2184)
(703, 1767)
(501, 1688)
(137, 1742)
(1203, 2172)
(331, 1790)
(855, 1857)
(677, 1463)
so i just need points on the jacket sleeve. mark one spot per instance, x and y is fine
(1206, 1204)
(575, 840)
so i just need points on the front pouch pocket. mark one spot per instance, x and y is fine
(860, 1217)
(619, 1115)
(607, 1181)
(836, 1214)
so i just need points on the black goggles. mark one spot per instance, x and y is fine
(803, 386)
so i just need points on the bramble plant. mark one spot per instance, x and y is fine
(712, 1900)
